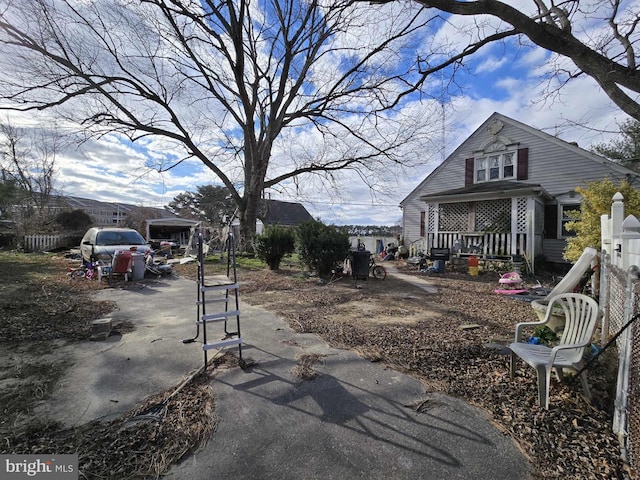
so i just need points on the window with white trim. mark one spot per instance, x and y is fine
(567, 214)
(496, 166)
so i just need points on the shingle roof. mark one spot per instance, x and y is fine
(277, 212)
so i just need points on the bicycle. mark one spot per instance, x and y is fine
(378, 271)
(86, 270)
(344, 270)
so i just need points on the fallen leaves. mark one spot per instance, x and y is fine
(402, 326)
(571, 440)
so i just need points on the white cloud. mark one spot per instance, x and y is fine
(533, 56)
(491, 64)
(111, 169)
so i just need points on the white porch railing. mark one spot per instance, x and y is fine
(480, 243)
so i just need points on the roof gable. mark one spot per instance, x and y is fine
(449, 175)
(276, 212)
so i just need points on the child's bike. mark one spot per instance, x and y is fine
(378, 271)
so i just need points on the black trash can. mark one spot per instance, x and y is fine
(360, 264)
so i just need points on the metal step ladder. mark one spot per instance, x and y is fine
(227, 295)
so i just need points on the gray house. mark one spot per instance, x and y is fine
(277, 212)
(508, 189)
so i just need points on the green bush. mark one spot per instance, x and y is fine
(273, 244)
(596, 201)
(322, 246)
(547, 336)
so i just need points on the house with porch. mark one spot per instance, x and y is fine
(509, 189)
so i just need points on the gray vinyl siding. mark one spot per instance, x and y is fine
(553, 250)
(411, 219)
(559, 167)
(560, 170)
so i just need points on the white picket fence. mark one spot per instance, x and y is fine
(619, 297)
(44, 242)
(621, 236)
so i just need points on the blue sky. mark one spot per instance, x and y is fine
(506, 79)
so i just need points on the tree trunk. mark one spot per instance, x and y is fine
(248, 214)
(256, 159)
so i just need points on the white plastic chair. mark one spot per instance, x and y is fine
(581, 314)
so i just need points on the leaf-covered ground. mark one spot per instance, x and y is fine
(446, 339)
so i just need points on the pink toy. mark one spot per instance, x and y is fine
(511, 291)
(511, 278)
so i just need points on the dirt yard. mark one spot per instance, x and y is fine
(446, 339)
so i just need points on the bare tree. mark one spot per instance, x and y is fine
(229, 82)
(626, 148)
(599, 37)
(28, 164)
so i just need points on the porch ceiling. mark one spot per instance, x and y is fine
(488, 191)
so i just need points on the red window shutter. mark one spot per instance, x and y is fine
(523, 163)
(468, 172)
(422, 226)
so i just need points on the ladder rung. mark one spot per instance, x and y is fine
(212, 317)
(222, 343)
(227, 286)
(213, 300)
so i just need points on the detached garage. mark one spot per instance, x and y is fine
(173, 229)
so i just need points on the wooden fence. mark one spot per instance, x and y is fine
(45, 242)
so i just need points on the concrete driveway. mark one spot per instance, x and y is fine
(356, 419)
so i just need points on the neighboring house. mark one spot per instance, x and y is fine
(277, 212)
(508, 189)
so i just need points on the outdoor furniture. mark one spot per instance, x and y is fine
(566, 285)
(581, 314)
(120, 265)
(440, 255)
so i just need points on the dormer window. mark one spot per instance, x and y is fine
(497, 166)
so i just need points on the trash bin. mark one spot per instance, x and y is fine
(360, 264)
(438, 266)
(137, 266)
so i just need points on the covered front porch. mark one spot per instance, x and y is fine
(496, 223)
